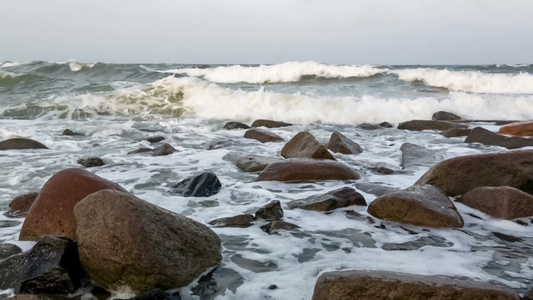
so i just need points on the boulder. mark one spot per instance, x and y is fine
(269, 123)
(456, 132)
(255, 163)
(298, 169)
(7, 250)
(50, 267)
(21, 204)
(500, 202)
(20, 144)
(244, 220)
(125, 241)
(339, 143)
(262, 135)
(382, 285)
(416, 156)
(419, 125)
(53, 210)
(163, 150)
(375, 189)
(203, 185)
(419, 205)
(386, 125)
(70, 132)
(141, 150)
(329, 201)
(459, 175)
(444, 116)
(235, 125)
(486, 137)
(91, 162)
(154, 139)
(270, 212)
(305, 145)
(368, 126)
(518, 129)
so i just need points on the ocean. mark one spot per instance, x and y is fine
(117, 106)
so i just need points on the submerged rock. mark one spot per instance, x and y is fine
(339, 143)
(21, 204)
(203, 185)
(277, 226)
(262, 135)
(305, 145)
(155, 139)
(368, 126)
(500, 202)
(255, 163)
(518, 129)
(444, 116)
(235, 125)
(269, 123)
(419, 125)
(486, 137)
(163, 150)
(244, 220)
(299, 169)
(141, 150)
(91, 162)
(20, 144)
(270, 212)
(329, 201)
(456, 132)
(416, 156)
(70, 132)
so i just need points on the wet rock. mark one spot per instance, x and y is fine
(220, 143)
(155, 139)
(91, 162)
(53, 210)
(528, 295)
(20, 144)
(486, 137)
(375, 188)
(419, 125)
(500, 202)
(419, 205)
(507, 237)
(269, 123)
(216, 283)
(384, 170)
(8, 223)
(339, 143)
(7, 250)
(456, 132)
(382, 285)
(368, 126)
(459, 175)
(203, 185)
(276, 226)
(444, 116)
(262, 135)
(518, 129)
(141, 150)
(163, 150)
(21, 204)
(305, 145)
(50, 267)
(253, 265)
(156, 294)
(235, 125)
(329, 201)
(244, 220)
(270, 212)
(416, 156)
(434, 241)
(255, 163)
(70, 132)
(298, 169)
(125, 241)
(386, 124)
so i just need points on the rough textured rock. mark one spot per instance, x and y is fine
(419, 205)
(329, 201)
(20, 144)
(91, 162)
(305, 145)
(459, 175)
(269, 123)
(7, 250)
(298, 169)
(486, 137)
(50, 267)
(155, 139)
(255, 163)
(235, 125)
(419, 125)
(21, 204)
(70, 132)
(262, 135)
(518, 129)
(53, 210)
(270, 212)
(528, 295)
(125, 241)
(339, 143)
(416, 156)
(244, 220)
(456, 132)
(203, 185)
(444, 116)
(381, 285)
(500, 202)
(163, 150)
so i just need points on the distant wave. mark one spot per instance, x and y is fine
(76, 67)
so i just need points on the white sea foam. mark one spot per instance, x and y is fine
(76, 66)
(7, 64)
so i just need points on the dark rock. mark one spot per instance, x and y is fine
(276, 226)
(125, 241)
(456, 132)
(339, 143)
(70, 132)
(163, 150)
(7, 250)
(386, 124)
(216, 282)
(500, 202)
(384, 170)
(486, 137)
(298, 169)
(219, 143)
(244, 220)
(203, 185)
(20, 144)
(528, 295)
(416, 156)
(21, 204)
(155, 294)
(235, 125)
(262, 135)
(155, 139)
(270, 212)
(255, 163)
(419, 205)
(305, 145)
(91, 162)
(272, 287)
(269, 123)
(376, 189)
(444, 116)
(507, 238)
(419, 125)
(518, 129)
(329, 201)
(141, 150)
(368, 126)
(382, 285)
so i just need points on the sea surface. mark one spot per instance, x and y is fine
(116, 106)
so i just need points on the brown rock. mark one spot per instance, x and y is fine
(277, 226)
(255, 163)
(305, 145)
(163, 150)
(299, 169)
(382, 285)
(270, 212)
(461, 174)
(419, 125)
(235, 125)
(269, 123)
(21, 204)
(20, 144)
(91, 162)
(244, 220)
(141, 150)
(500, 202)
(53, 210)
(444, 116)
(486, 137)
(456, 132)
(329, 201)
(519, 129)
(154, 139)
(262, 135)
(419, 205)
(528, 295)
(70, 132)
(339, 143)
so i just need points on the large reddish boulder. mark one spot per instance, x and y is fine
(300, 169)
(519, 129)
(500, 202)
(53, 210)
(305, 145)
(21, 143)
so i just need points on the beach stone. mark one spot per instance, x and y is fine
(329, 201)
(269, 123)
(163, 150)
(419, 205)
(7, 250)
(500, 202)
(444, 116)
(486, 137)
(368, 126)
(300, 169)
(339, 143)
(21, 204)
(277, 226)
(375, 188)
(459, 175)
(70, 132)
(91, 162)
(255, 163)
(419, 125)
(383, 285)
(53, 210)
(305, 145)
(155, 139)
(456, 132)
(262, 135)
(518, 129)
(244, 220)
(416, 156)
(270, 212)
(203, 185)
(235, 125)
(50, 267)
(125, 241)
(20, 144)
(141, 150)
(386, 124)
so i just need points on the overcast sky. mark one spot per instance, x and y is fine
(269, 31)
